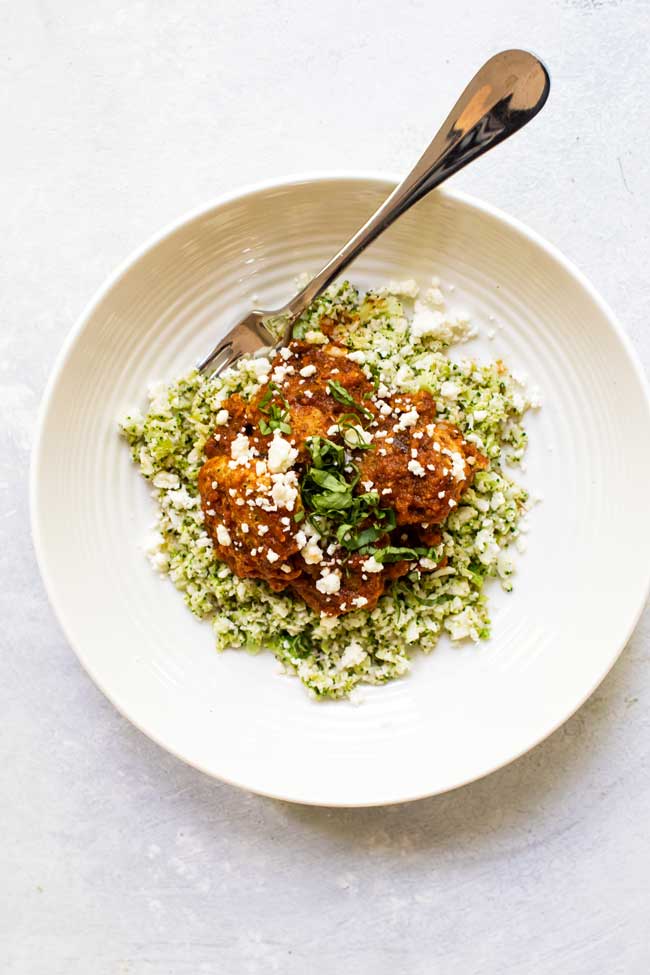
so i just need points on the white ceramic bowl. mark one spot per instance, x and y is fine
(462, 712)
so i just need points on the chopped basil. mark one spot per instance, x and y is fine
(328, 495)
(399, 553)
(341, 395)
(278, 418)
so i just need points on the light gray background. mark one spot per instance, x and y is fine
(117, 859)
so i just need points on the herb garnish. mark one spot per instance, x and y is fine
(353, 434)
(328, 496)
(398, 553)
(356, 520)
(341, 395)
(278, 418)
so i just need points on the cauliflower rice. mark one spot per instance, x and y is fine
(403, 337)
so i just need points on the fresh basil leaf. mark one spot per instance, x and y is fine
(368, 536)
(341, 395)
(266, 399)
(397, 553)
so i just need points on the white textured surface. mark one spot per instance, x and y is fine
(115, 857)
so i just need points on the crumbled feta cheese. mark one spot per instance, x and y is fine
(308, 370)
(300, 539)
(416, 468)
(329, 582)
(457, 465)
(371, 565)
(223, 536)
(260, 367)
(241, 450)
(285, 489)
(279, 374)
(272, 556)
(281, 454)
(311, 553)
(407, 419)
(222, 418)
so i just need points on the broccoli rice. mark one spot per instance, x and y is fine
(404, 338)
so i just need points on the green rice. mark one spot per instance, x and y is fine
(404, 340)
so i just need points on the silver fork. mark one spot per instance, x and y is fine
(505, 94)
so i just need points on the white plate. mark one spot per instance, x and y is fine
(462, 712)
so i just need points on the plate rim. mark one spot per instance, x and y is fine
(60, 362)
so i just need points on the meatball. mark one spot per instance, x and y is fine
(423, 467)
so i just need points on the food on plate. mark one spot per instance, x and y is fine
(342, 500)
(342, 492)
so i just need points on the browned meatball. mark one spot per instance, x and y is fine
(421, 466)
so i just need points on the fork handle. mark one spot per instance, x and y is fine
(505, 94)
